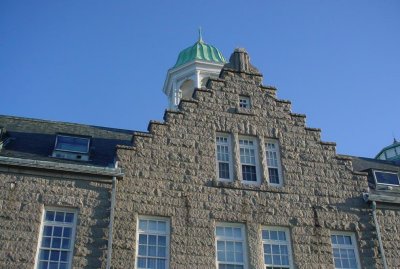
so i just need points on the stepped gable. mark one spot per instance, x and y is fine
(172, 172)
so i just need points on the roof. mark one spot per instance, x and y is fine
(363, 164)
(200, 51)
(394, 145)
(35, 139)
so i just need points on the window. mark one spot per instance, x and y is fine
(344, 250)
(57, 239)
(244, 101)
(224, 166)
(248, 159)
(273, 163)
(230, 242)
(153, 243)
(276, 246)
(386, 178)
(72, 144)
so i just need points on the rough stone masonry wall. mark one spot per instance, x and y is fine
(22, 201)
(389, 223)
(171, 172)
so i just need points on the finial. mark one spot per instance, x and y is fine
(200, 35)
(394, 140)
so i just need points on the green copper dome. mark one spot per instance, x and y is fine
(200, 51)
(390, 153)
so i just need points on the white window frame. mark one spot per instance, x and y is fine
(72, 136)
(353, 246)
(279, 166)
(386, 184)
(225, 238)
(244, 102)
(72, 225)
(230, 163)
(257, 161)
(286, 242)
(167, 234)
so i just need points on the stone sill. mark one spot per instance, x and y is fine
(244, 111)
(239, 185)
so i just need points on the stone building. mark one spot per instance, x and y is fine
(231, 178)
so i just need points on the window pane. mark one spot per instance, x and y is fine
(44, 254)
(67, 232)
(386, 178)
(47, 230)
(65, 243)
(64, 256)
(57, 231)
(162, 240)
(75, 144)
(43, 265)
(249, 173)
(60, 216)
(50, 215)
(223, 170)
(69, 217)
(142, 263)
(273, 175)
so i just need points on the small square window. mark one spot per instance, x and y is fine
(244, 101)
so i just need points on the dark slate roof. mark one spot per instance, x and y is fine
(35, 139)
(363, 164)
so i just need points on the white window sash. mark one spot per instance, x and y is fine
(59, 224)
(230, 164)
(147, 232)
(286, 242)
(242, 240)
(256, 159)
(353, 246)
(278, 160)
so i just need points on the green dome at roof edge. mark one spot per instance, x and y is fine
(202, 52)
(395, 144)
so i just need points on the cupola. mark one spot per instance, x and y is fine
(390, 153)
(194, 66)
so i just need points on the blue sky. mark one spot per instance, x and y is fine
(104, 62)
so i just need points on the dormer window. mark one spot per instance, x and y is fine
(73, 144)
(244, 101)
(386, 178)
(72, 147)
